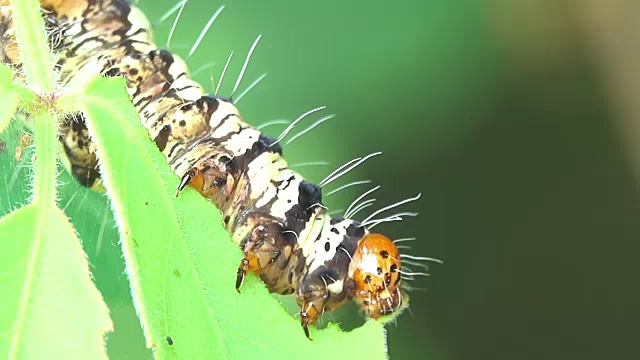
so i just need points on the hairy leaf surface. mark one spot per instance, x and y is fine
(50, 306)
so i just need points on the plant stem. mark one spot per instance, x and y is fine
(45, 163)
(32, 41)
(36, 62)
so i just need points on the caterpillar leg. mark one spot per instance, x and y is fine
(203, 178)
(190, 177)
(268, 250)
(322, 290)
(309, 314)
(327, 285)
(247, 264)
(255, 261)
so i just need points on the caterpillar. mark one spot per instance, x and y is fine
(275, 216)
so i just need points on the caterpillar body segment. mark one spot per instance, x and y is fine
(272, 213)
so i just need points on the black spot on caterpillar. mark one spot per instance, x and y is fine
(272, 213)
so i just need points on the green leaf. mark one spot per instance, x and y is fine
(8, 97)
(32, 41)
(50, 306)
(182, 263)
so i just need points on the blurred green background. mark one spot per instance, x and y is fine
(517, 121)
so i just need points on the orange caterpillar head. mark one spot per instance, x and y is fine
(375, 270)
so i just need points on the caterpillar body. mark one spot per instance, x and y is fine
(272, 213)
